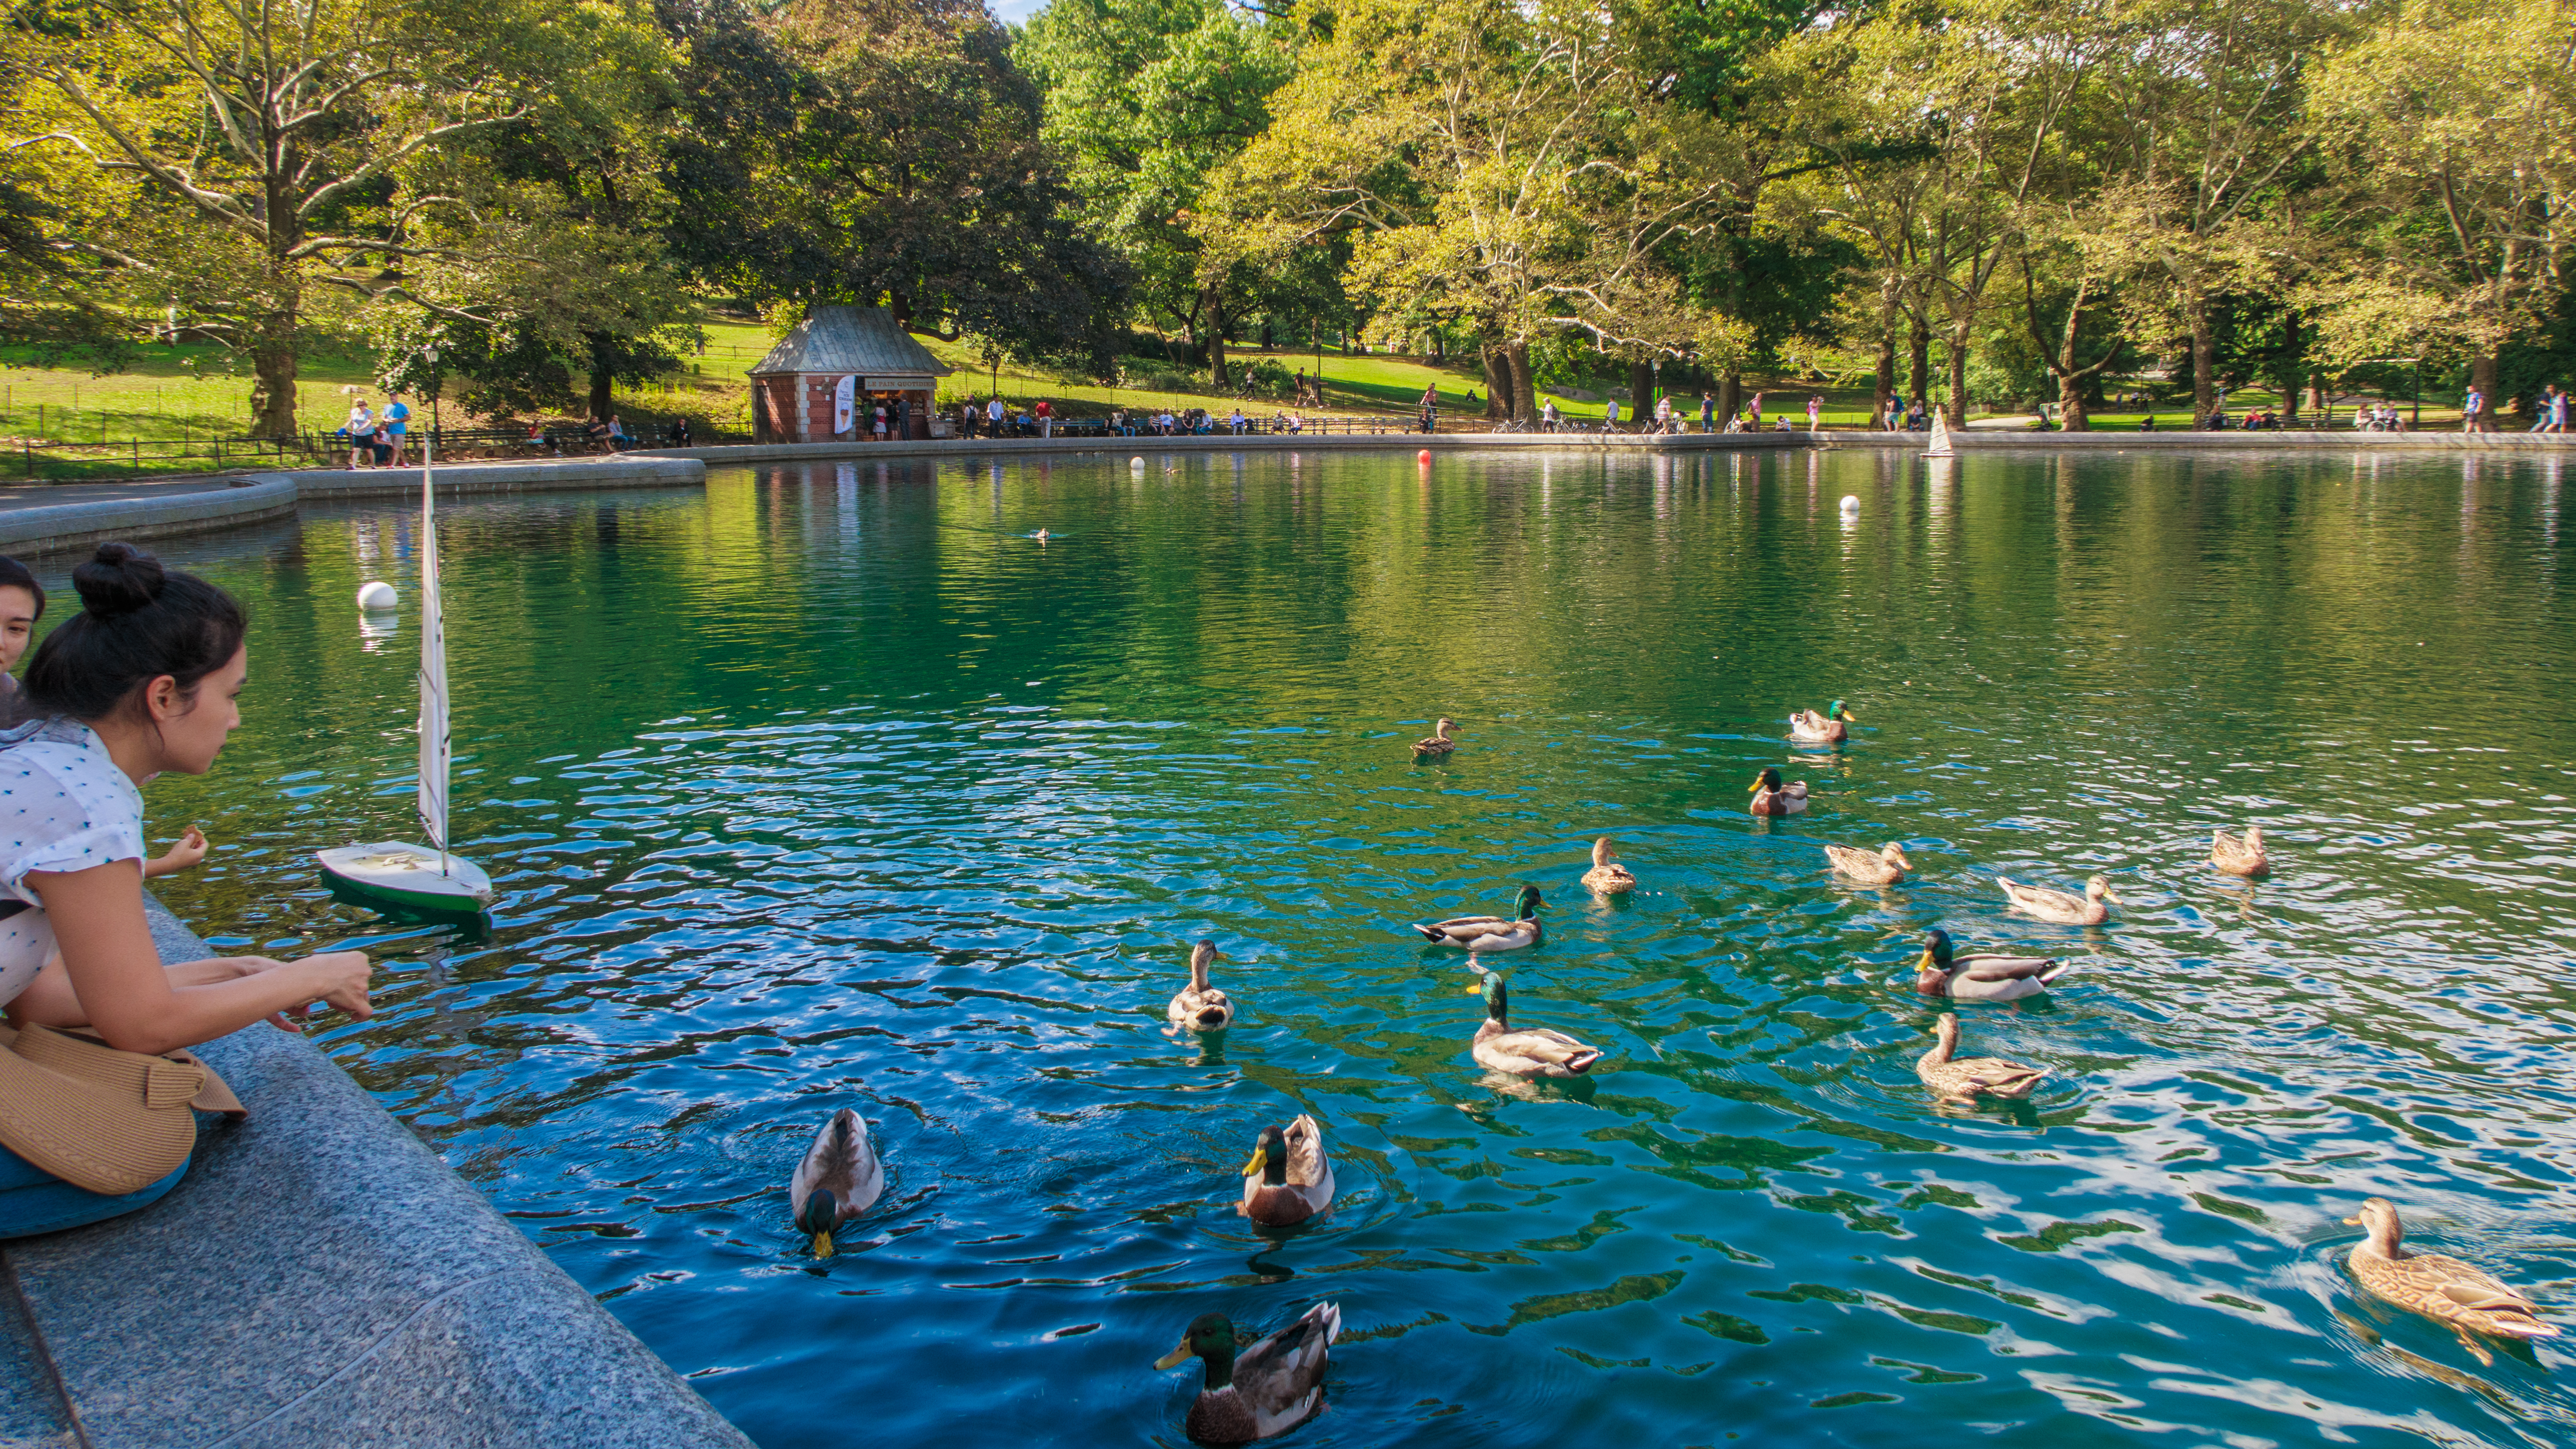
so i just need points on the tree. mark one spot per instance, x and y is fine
(1146, 102)
(275, 138)
(2455, 125)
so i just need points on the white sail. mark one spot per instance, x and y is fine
(1940, 445)
(433, 670)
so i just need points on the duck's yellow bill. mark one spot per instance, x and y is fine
(2352, 1222)
(1476, 990)
(823, 1245)
(1176, 1357)
(1755, 786)
(1850, 717)
(1259, 1160)
(1926, 964)
(2114, 899)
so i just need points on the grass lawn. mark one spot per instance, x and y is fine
(182, 395)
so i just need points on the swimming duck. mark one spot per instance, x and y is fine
(1810, 728)
(1265, 1390)
(1964, 1079)
(1770, 797)
(2239, 856)
(2445, 1289)
(1288, 1179)
(838, 1180)
(1202, 1007)
(1491, 933)
(1530, 1052)
(2073, 910)
(1981, 978)
(1439, 744)
(1885, 866)
(1607, 876)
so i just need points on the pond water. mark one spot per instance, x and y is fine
(829, 785)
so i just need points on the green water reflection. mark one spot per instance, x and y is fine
(832, 785)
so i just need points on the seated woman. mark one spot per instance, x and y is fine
(142, 681)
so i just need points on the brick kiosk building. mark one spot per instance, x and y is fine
(796, 390)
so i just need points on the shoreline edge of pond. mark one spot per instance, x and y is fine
(177, 507)
(320, 1277)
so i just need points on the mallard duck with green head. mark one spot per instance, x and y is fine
(1807, 727)
(1262, 1391)
(1491, 933)
(1770, 797)
(1288, 1179)
(838, 1179)
(2465, 1299)
(1529, 1051)
(1937, 972)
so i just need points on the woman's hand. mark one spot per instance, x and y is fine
(338, 978)
(190, 849)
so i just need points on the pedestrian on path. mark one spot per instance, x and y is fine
(993, 415)
(360, 427)
(1610, 416)
(1707, 412)
(1046, 418)
(2470, 406)
(1815, 412)
(397, 423)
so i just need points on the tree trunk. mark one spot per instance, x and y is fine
(273, 368)
(2070, 403)
(900, 304)
(1498, 383)
(603, 373)
(1212, 307)
(1641, 390)
(1884, 387)
(1730, 395)
(1524, 391)
(2204, 358)
(2482, 376)
(2291, 367)
(1959, 374)
(1921, 342)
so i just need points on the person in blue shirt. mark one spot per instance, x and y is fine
(397, 421)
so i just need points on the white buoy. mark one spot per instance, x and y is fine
(1138, 464)
(376, 594)
(1851, 505)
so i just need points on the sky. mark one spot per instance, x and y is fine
(1012, 12)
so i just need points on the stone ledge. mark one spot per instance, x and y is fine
(320, 1277)
(618, 470)
(2182, 441)
(55, 527)
(1227, 443)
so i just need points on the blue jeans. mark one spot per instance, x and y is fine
(35, 1201)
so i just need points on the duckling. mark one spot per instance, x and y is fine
(2073, 910)
(839, 1179)
(1964, 1079)
(2464, 1298)
(1288, 1179)
(1607, 877)
(1263, 1391)
(1439, 745)
(1886, 866)
(2239, 857)
(1807, 727)
(1530, 1052)
(1491, 933)
(1981, 978)
(1202, 1007)
(1770, 797)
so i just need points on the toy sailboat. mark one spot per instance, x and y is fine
(1940, 445)
(425, 878)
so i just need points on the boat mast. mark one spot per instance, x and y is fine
(433, 670)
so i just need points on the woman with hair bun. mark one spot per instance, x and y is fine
(142, 681)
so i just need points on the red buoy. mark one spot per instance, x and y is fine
(1423, 457)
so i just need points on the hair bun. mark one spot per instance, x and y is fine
(118, 579)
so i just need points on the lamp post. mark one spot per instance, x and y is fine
(429, 354)
(1656, 388)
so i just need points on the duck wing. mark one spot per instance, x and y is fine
(1459, 930)
(1281, 1378)
(2007, 968)
(842, 1160)
(1538, 1044)
(1307, 1165)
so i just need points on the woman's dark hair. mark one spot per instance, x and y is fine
(138, 621)
(14, 575)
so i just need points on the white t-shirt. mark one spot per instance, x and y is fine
(64, 806)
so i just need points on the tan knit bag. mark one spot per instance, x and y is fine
(108, 1121)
